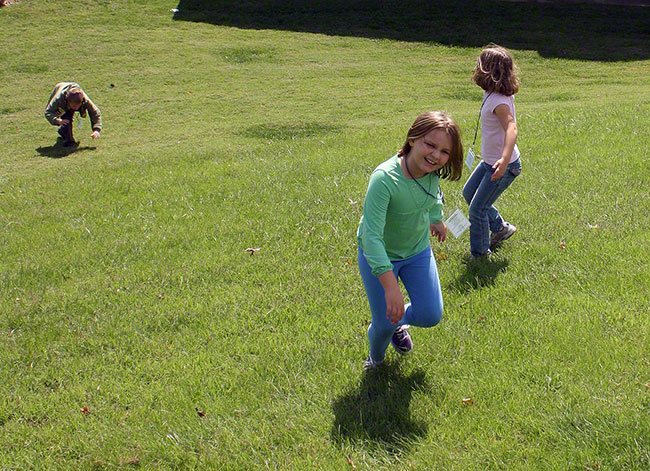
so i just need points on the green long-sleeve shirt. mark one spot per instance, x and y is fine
(58, 105)
(396, 215)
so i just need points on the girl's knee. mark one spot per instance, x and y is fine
(430, 316)
(433, 319)
(476, 212)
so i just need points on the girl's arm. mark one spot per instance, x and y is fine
(510, 127)
(393, 296)
(375, 207)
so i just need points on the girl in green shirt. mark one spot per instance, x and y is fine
(402, 205)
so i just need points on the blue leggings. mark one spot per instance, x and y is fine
(419, 274)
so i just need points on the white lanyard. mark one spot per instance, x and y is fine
(469, 159)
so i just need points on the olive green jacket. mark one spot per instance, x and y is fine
(58, 105)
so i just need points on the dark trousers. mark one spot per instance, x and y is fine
(66, 131)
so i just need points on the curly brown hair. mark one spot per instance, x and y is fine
(429, 121)
(495, 71)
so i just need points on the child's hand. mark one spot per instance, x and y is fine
(439, 229)
(499, 168)
(95, 134)
(394, 305)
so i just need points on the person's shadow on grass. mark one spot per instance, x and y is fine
(479, 273)
(58, 150)
(377, 412)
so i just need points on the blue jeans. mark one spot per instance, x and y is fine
(419, 274)
(481, 193)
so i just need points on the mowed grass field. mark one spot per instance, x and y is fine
(138, 332)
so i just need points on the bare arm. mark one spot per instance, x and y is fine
(510, 127)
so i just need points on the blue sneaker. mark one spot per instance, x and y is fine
(401, 340)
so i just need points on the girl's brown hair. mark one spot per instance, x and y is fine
(495, 71)
(75, 95)
(427, 122)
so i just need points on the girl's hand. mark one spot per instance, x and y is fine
(439, 229)
(499, 168)
(95, 134)
(393, 296)
(394, 305)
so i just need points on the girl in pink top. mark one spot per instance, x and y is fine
(495, 72)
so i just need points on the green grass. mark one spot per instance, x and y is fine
(126, 288)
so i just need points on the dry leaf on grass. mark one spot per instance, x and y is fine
(252, 250)
(351, 463)
(200, 412)
(85, 411)
(468, 401)
(133, 461)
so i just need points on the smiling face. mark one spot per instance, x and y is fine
(429, 152)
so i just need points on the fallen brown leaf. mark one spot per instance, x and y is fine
(441, 256)
(134, 461)
(161, 295)
(468, 401)
(554, 277)
(562, 245)
(200, 412)
(85, 411)
(351, 463)
(252, 250)
(480, 319)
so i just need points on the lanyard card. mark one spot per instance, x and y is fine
(457, 223)
(469, 160)
(79, 122)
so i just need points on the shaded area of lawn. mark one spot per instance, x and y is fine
(378, 411)
(57, 150)
(571, 31)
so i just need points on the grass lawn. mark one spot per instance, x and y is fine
(137, 331)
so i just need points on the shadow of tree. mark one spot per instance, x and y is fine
(58, 150)
(564, 30)
(479, 274)
(377, 411)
